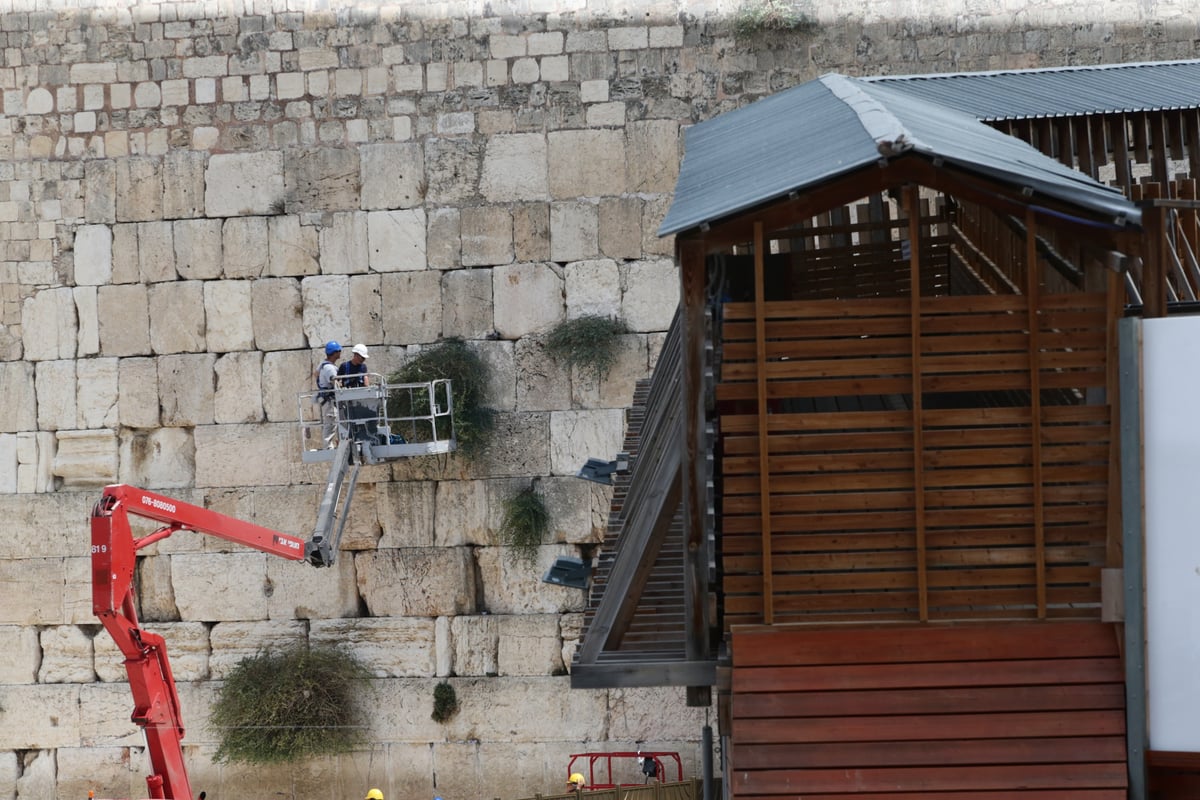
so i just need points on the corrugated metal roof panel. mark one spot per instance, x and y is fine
(814, 132)
(1059, 91)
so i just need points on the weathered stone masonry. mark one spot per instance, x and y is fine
(194, 196)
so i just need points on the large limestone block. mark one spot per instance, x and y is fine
(56, 388)
(620, 220)
(658, 713)
(297, 590)
(528, 297)
(104, 710)
(615, 388)
(600, 172)
(500, 393)
(99, 189)
(244, 184)
(35, 461)
(276, 314)
(187, 647)
(443, 245)
(93, 255)
(137, 405)
(125, 253)
(238, 394)
(88, 320)
(244, 455)
(396, 240)
(574, 230)
(653, 150)
(578, 509)
(526, 709)
(593, 288)
(18, 654)
(366, 319)
(220, 586)
(8, 463)
(515, 168)
(8, 774)
(320, 178)
(467, 304)
(654, 210)
(139, 189)
(412, 307)
(38, 774)
(293, 249)
(531, 231)
(343, 241)
(155, 593)
(35, 717)
(649, 294)
(96, 392)
(453, 170)
(285, 375)
(199, 252)
(518, 446)
(124, 313)
(156, 251)
(326, 303)
(543, 382)
(290, 509)
(486, 236)
(244, 245)
(462, 514)
(19, 411)
(43, 526)
(185, 385)
(406, 513)
(416, 581)
(511, 587)
(86, 459)
(227, 313)
(392, 176)
(77, 591)
(402, 712)
(107, 771)
(177, 319)
(476, 641)
(66, 655)
(576, 436)
(528, 645)
(183, 184)
(164, 458)
(390, 648)
(49, 327)
(233, 641)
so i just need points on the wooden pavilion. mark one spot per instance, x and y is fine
(874, 495)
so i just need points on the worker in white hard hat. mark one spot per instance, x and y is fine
(354, 371)
(374, 794)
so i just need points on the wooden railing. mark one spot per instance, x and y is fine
(677, 790)
(988, 499)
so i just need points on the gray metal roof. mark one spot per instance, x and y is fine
(807, 135)
(1059, 91)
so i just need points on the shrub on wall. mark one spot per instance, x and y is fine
(525, 524)
(445, 702)
(588, 342)
(280, 706)
(760, 16)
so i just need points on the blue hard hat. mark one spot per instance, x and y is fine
(332, 347)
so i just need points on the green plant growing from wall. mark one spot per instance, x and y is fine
(760, 16)
(445, 702)
(525, 524)
(468, 374)
(283, 705)
(588, 343)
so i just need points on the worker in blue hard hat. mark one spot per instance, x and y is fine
(326, 376)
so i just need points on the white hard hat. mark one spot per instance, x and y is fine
(360, 350)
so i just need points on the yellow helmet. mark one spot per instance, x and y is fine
(576, 779)
(374, 794)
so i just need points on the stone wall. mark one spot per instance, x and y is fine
(193, 197)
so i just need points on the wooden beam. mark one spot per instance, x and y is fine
(693, 278)
(619, 675)
(1154, 280)
(764, 461)
(912, 205)
(1032, 292)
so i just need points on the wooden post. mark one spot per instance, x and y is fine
(1154, 279)
(764, 461)
(1032, 294)
(913, 208)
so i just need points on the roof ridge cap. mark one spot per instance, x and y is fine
(890, 136)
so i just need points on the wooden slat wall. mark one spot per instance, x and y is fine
(844, 499)
(1029, 711)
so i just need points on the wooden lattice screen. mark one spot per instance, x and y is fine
(990, 501)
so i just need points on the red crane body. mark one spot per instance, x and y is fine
(114, 556)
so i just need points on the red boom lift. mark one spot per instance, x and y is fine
(114, 550)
